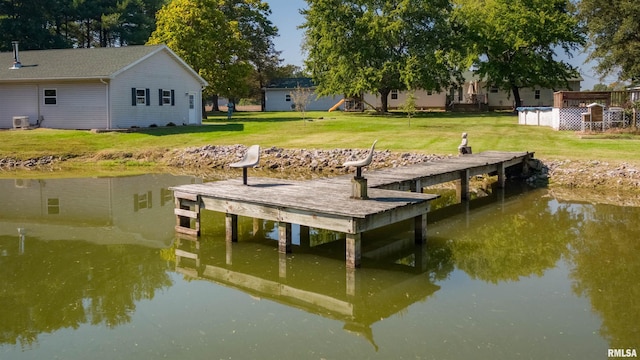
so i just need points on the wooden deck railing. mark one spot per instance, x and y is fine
(564, 99)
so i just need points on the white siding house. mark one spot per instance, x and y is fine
(425, 100)
(278, 95)
(101, 88)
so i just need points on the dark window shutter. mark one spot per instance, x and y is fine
(148, 97)
(160, 97)
(173, 98)
(133, 97)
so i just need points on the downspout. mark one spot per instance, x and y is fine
(107, 103)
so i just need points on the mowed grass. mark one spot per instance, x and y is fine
(431, 133)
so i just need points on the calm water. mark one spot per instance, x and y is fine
(92, 268)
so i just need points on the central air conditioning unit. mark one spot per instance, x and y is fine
(20, 122)
(22, 183)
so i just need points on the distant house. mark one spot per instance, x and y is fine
(278, 95)
(477, 91)
(100, 88)
(474, 94)
(424, 100)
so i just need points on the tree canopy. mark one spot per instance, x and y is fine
(614, 33)
(49, 24)
(514, 42)
(202, 35)
(357, 46)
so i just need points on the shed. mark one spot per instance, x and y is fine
(99, 88)
(278, 95)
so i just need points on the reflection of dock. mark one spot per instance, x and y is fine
(324, 287)
(326, 203)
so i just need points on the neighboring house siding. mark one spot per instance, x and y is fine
(276, 100)
(78, 106)
(154, 73)
(18, 100)
(423, 100)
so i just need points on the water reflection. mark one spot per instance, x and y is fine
(100, 210)
(314, 278)
(93, 253)
(606, 268)
(77, 251)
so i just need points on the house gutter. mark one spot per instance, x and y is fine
(108, 103)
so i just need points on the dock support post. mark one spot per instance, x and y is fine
(284, 239)
(229, 253)
(420, 229)
(416, 186)
(350, 281)
(463, 188)
(353, 250)
(502, 177)
(305, 238)
(282, 266)
(231, 227)
(257, 227)
(359, 188)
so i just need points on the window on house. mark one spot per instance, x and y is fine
(394, 94)
(50, 96)
(429, 93)
(142, 201)
(166, 196)
(493, 89)
(287, 97)
(140, 97)
(536, 94)
(53, 206)
(166, 97)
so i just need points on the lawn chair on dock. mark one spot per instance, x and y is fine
(359, 190)
(251, 159)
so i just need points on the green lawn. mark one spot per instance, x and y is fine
(434, 132)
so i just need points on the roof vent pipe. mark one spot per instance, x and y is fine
(16, 57)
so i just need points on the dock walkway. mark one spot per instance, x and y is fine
(327, 204)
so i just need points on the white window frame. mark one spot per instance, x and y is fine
(394, 94)
(536, 94)
(46, 97)
(141, 99)
(493, 89)
(166, 96)
(287, 97)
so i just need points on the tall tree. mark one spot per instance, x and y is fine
(614, 34)
(357, 46)
(255, 27)
(515, 41)
(201, 34)
(30, 22)
(46, 24)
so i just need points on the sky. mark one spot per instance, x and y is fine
(286, 16)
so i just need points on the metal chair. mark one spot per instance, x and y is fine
(251, 159)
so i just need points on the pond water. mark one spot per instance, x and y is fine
(93, 268)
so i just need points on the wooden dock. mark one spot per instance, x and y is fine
(327, 204)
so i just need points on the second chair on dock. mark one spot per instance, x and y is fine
(359, 189)
(251, 159)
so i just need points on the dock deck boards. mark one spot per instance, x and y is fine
(327, 203)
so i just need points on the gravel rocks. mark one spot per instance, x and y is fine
(295, 160)
(11, 163)
(306, 163)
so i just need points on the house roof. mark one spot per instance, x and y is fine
(79, 64)
(291, 83)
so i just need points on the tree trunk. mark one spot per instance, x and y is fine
(214, 99)
(516, 96)
(384, 99)
(204, 110)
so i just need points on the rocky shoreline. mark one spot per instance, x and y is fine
(207, 159)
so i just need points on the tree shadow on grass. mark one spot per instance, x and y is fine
(192, 129)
